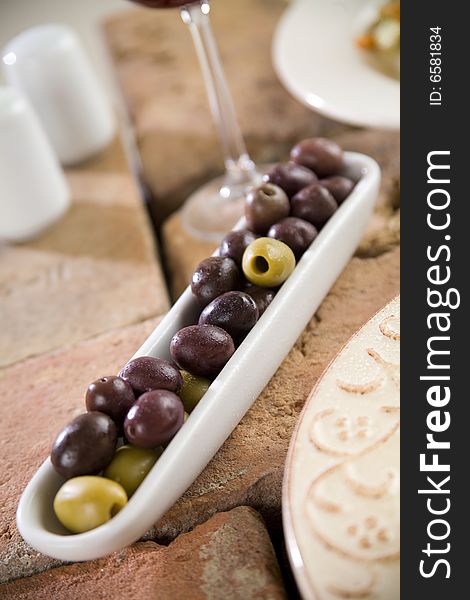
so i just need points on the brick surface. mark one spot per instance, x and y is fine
(163, 88)
(94, 270)
(229, 557)
(182, 253)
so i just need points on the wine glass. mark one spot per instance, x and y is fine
(215, 207)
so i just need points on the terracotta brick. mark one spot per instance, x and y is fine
(229, 557)
(94, 270)
(182, 252)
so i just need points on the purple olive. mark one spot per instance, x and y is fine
(296, 233)
(235, 243)
(147, 373)
(202, 349)
(85, 446)
(323, 156)
(214, 276)
(262, 296)
(112, 396)
(235, 312)
(339, 187)
(290, 177)
(264, 205)
(314, 204)
(154, 419)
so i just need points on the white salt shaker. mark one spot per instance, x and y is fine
(49, 65)
(33, 189)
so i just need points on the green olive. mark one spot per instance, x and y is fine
(193, 390)
(130, 466)
(268, 262)
(86, 502)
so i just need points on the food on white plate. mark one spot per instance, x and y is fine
(381, 38)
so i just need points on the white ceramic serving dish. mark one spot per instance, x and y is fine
(228, 398)
(341, 491)
(315, 57)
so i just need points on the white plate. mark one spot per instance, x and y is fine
(316, 59)
(228, 398)
(341, 492)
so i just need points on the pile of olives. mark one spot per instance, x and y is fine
(149, 401)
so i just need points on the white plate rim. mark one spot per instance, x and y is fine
(314, 99)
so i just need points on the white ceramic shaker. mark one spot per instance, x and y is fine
(33, 189)
(49, 65)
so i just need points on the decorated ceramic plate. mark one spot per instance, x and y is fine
(341, 487)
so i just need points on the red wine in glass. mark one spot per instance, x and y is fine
(214, 208)
(163, 3)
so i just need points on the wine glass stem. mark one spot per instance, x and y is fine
(240, 168)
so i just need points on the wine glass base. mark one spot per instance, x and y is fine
(212, 210)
